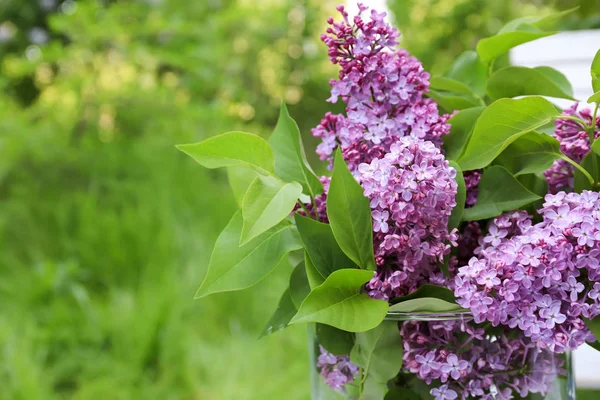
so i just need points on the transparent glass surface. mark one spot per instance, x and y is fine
(499, 363)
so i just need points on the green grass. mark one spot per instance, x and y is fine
(104, 246)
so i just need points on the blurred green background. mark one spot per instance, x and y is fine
(106, 229)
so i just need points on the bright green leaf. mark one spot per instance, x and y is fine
(234, 267)
(335, 340)
(518, 31)
(324, 252)
(453, 101)
(283, 315)
(492, 47)
(314, 276)
(502, 123)
(266, 203)
(541, 22)
(449, 85)
(529, 154)
(299, 286)
(240, 179)
(595, 72)
(513, 81)
(290, 160)
(349, 214)
(426, 305)
(232, 149)
(499, 192)
(596, 147)
(595, 98)
(461, 126)
(591, 163)
(379, 353)
(461, 197)
(296, 257)
(469, 70)
(429, 291)
(341, 303)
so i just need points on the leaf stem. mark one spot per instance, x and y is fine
(572, 118)
(580, 168)
(308, 214)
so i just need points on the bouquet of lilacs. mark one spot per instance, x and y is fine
(447, 196)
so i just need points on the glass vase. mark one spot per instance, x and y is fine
(464, 360)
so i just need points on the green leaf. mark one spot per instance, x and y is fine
(296, 257)
(340, 302)
(426, 305)
(596, 147)
(541, 22)
(349, 215)
(469, 70)
(461, 197)
(283, 315)
(535, 183)
(299, 286)
(529, 154)
(500, 124)
(324, 252)
(499, 192)
(402, 393)
(590, 163)
(492, 47)
(595, 98)
(429, 291)
(234, 267)
(453, 101)
(515, 81)
(290, 160)
(461, 126)
(595, 72)
(314, 277)
(449, 85)
(267, 202)
(379, 353)
(232, 149)
(594, 326)
(516, 32)
(335, 341)
(240, 179)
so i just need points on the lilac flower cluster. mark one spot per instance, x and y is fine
(412, 191)
(337, 370)
(390, 140)
(574, 137)
(542, 278)
(383, 88)
(467, 363)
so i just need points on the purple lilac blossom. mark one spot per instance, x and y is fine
(542, 278)
(412, 192)
(337, 370)
(574, 143)
(390, 138)
(461, 361)
(383, 88)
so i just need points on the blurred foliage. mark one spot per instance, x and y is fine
(106, 228)
(436, 31)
